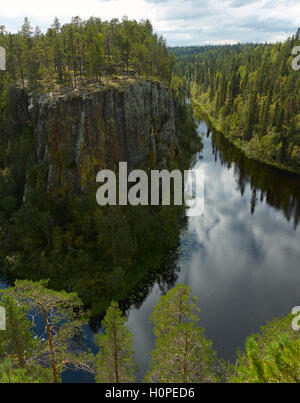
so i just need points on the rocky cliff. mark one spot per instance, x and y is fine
(80, 132)
(50, 157)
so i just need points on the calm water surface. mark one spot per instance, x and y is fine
(241, 258)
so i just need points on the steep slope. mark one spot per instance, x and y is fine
(80, 132)
(52, 148)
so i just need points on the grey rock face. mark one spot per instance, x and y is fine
(79, 133)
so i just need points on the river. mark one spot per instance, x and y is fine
(241, 257)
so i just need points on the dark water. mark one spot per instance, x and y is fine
(241, 258)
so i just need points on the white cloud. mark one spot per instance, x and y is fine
(180, 21)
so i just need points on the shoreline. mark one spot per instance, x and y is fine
(213, 125)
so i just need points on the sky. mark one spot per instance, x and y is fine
(181, 22)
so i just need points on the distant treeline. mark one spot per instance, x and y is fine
(189, 51)
(252, 94)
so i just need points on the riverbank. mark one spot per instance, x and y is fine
(251, 211)
(262, 237)
(202, 110)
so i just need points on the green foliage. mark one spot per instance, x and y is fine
(175, 308)
(271, 356)
(63, 317)
(72, 242)
(9, 374)
(101, 254)
(279, 364)
(114, 362)
(182, 353)
(78, 246)
(251, 93)
(80, 51)
(17, 341)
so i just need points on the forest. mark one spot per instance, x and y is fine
(61, 238)
(72, 54)
(251, 94)
(182, 353)
(68, 261)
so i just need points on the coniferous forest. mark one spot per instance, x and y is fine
(60, 237)
(80, 51)
(251, 93)
(182, 353)
(81, 97)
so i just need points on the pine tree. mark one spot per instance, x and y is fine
(278, 363)
(175, 308)
(183, 355)
(9, 374)
(63, 317)
(271, 356)
(17, 341)
(114, 362)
